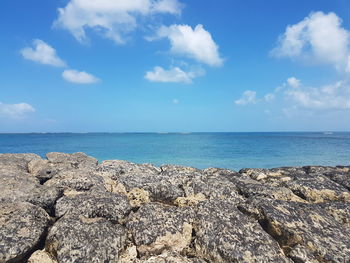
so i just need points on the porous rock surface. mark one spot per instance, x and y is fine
(70, 208)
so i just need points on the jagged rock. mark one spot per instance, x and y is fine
(191, 200)
(110, 206)
(79, 180)
(17, 161)
(137, 197)
(156, 227)
(249, 187)
(75, 160)
(20, 186)
(318, 189)
(224, 234)
(41, 256)
(119, 211)
(212, 186)
(57, 162)
(340, 211)
(160, 185)
(306, 225)
(81, 239)
(22, 226)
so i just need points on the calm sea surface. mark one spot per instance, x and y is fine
(226, 150)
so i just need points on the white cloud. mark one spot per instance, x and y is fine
(248, 97)
(42, 53)
(331, 97)
(80, 77)
(296, 95)
(174, 74)
(319, 38)
(15, 111)
(293, 82)
(194, 43)
(113, 18)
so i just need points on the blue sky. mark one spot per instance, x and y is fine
(174, 65)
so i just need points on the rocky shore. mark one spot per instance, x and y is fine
(70, 208)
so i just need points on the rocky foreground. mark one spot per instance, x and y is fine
(69, 208)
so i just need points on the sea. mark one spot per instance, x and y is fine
(201, 150)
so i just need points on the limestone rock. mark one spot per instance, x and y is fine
(40, 256)
(318, 189)
(75, 160)
(110, 206)
(22, 226)
(308, 226)
(20, 186)
(17, 161)
(224, 234)
(156, 227)
(81, 239)
(137, 197)
(79, 180)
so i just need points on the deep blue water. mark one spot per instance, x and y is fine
(226, 150)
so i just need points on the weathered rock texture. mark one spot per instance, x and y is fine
(69, 208)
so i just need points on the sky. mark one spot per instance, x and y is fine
(174, 65)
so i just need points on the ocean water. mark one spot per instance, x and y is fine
(201, 150)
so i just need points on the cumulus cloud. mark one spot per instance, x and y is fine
(318, 38)
(330, 97)
(15, 111)
(42, 53)
(174, 74)
(295, 95)
(194, 43)
(114, 19)
(248, 97)
(293, 82)
(79, 77)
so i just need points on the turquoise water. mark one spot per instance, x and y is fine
(226, 150)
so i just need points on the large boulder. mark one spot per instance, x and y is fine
(111, 206)
(17, 161)
(156, 227)
(307, 227)
(82, 239)
(19, 186)
(22, 227)
(223, 234)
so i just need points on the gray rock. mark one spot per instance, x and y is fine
(308, 226)
(18, 186)
(81, 239)
(75, 160)
(224, 234)
(78, 180)
(22, 227)
(110, 206)
(17, 161)
(156, 227)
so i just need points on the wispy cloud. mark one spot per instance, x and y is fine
(194, 43)
(174, 74)
(15, 111)
(317, 39)
(42, 53)
(113, 19)
(295, 95)
(248, 97)
(79, 77)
